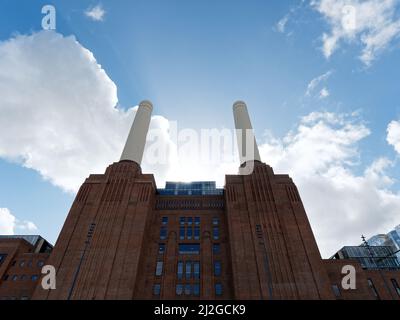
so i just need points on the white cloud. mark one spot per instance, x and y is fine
(321, 156)
(96, 13)
(314, 83)
(9, 224)
(281, 25)
(393, 135)
(372, 23)
(324, 93)
(59, 109)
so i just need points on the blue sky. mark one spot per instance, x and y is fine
(193, 59)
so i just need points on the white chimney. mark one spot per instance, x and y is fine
(136, 141)
(245, 134)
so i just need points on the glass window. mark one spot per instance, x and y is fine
(215, 221)
(188, 289)
(14, 278)
(180, 270)
(159, 268)
(182, 220)
(163, 233)
(182, 233)
(215, 233)
(189, 248)
(372, 286)
(161, 248)
(196, 221)
(216, 248)
(164, 220)
(157, 289)
(188, 270)
(23, 277)
(396, 286)
(40, 263)
(196, 269)
(34, 277)
(2, 258)
(179, 289)
(189, 221)
(218, 289)
(5, 277)
(217, 268)
(196, 289)
(336, 290)
(196, 233)
(189, 233)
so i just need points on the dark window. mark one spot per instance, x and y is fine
(159, 268)
(396, 286)
(218, 289)
(180, 270)
(34, 277)
(14, 278)
(164, 220)
(196, 233)
(5, 277)
(163, 233)
(23, 277)
(13, 263)
(215, 221)
(196, 289)
(2, 258)
(215, 233)
(29, 263)
(196, 221)
(189, 233)
(188, 289)
(372, 286)
(182, 220)
(182, 233)
(157, 289)
(40, 263)
(22, 263)
(217, 268)
(189, 248)
(189, 221)
(188, 270)
(196, 269)
(216, 248)
(179, 289)
(161, 248)
(336, 290)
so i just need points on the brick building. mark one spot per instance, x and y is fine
(126, 239)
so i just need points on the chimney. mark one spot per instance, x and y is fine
(134, 146)
(245, 134)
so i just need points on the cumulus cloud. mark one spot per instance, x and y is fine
(393, 135)
(322, 156)
(316, 82)
(60, 113)
(9, 223)
(374, 24)
(96, 13)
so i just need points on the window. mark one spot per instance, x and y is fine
(13, 263)
(197, 221)
(29, 264)
(218, 289)
(24, 298)
(196, 269)
(14, 278)
(216, 248)
(189, 248)
(163, 233)
(372, 286)
(179, 289)
(215, 221)
(189, 221)
(5, 277)
(188, 289)
(159, 268)
(217, 268)
(164, 220)
(336, 290)
(182, 220)
(182, 233)
(22, 263)
(180, 270)
(40, 263)
(34, 277)
(23, 277)
(196, 233)
(2, 258)
(161, 248)
(189, 233)
(215, 233)
(157, 289)
(196, 289)
(396, 286)
(188, 270)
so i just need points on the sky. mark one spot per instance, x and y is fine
(320, 79)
